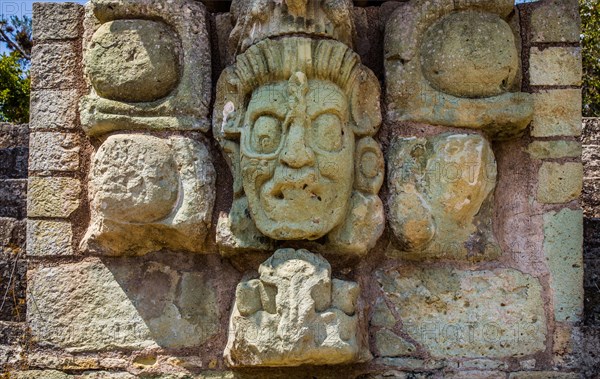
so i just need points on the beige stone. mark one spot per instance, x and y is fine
(299, 135)
(52, 197)
(563, 240)
(555, 21)
(147, 193)
(39, 374)
(554, 149)
(53, 110)
(559, 182)
(557, 113)
(438, 186)
(55, 21)
(476, 375)
(52, 66)
(289, 316)
(163, 64)
(543, 375)
(555, 66)
(382, 315)
(49, 238)
(54, 152)
(391, 345)
(119, 304)
(470, 54)
(468, 314)
(133, 60)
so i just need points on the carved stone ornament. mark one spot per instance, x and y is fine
(141, 60)
(147, 193)
(295, 314)
(295, 118)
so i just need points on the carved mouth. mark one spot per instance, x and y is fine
(297, 191)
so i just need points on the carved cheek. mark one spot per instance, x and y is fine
(337, 165)
(256, 171)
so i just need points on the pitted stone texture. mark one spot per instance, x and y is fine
(52, 197)
(555, 21)
(390, 344)
(40, 374)
(470, 54)
(557, 113)
(554, 149)
(559, 183)
(543, 375)
(295, 314)
(133, 60)
(53, 110)
(439, 197)
(563, 241)
(49, 238)
(52, 66)
(434, 73)
(555, 66)
(120, 304)
(54, 21)
(54, 152)
(13, 198)
(147, 193)
(468, 314)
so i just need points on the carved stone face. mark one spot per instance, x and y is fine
(297, 152)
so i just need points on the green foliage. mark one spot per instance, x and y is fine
(14, 89)
(590, 26)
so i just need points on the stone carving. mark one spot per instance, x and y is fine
(440, 192)
(141, 59)
(148, 193)
(295, 117)
(456, 63)
(295, 314)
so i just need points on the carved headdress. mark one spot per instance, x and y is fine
(275, 40)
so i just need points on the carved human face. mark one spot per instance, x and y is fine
(297, 152)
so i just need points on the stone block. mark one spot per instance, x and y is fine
(468, 314)
(13, 271)
(555, 21)
(13, 163)
(476, 375)
(54, 109)
(590, 198)
(55, 21)
(12, 233)
(555, 66)
(122, 304)
(559, 182)
(563, 240)
(557, 113)
(49, 238)
(40, 374)
(390, 344)
(53, 197)
(12, 135)
(382, 315)
(543, 375)
(53, 66)
(591, 131)
(554, 149)
(54, 152)
(591, 161)
(13, 198)
(483, 364)
(12, 342)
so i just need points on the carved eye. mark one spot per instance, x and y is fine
(327, 132)
(266, 135)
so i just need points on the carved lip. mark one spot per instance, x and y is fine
(299, 189)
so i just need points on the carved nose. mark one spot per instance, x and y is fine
(295, 153)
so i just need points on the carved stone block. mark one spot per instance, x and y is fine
(295, 314)
(148, 193)
(142, 60)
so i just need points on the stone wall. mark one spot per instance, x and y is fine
(116, 289)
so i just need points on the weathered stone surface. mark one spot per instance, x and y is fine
(555, 66)
(147, 193)
(470, 54)
(563, 240)
(555, 21)
(13, 198)
(557, 113)
(391, 345)
(40, 374)
(559, 182)
(54, 21)
(53, 109)
(554, 149)
(54, 152)
(382, 315)
(543, 375)
(49, 238)
(52, 197)
(483, 364)
(13, 163)
(438, 186)
(133, 60)
(127, 306)
(12, 135)
(470, 314)
(52, 66)
(167, 40)
(12, 233)
(476, 375)
(12, 341)
(300, 180)
(295, 314)
(416, 93)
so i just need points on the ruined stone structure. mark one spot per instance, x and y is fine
(389, 191)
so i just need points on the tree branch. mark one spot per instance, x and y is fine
(13, 45)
